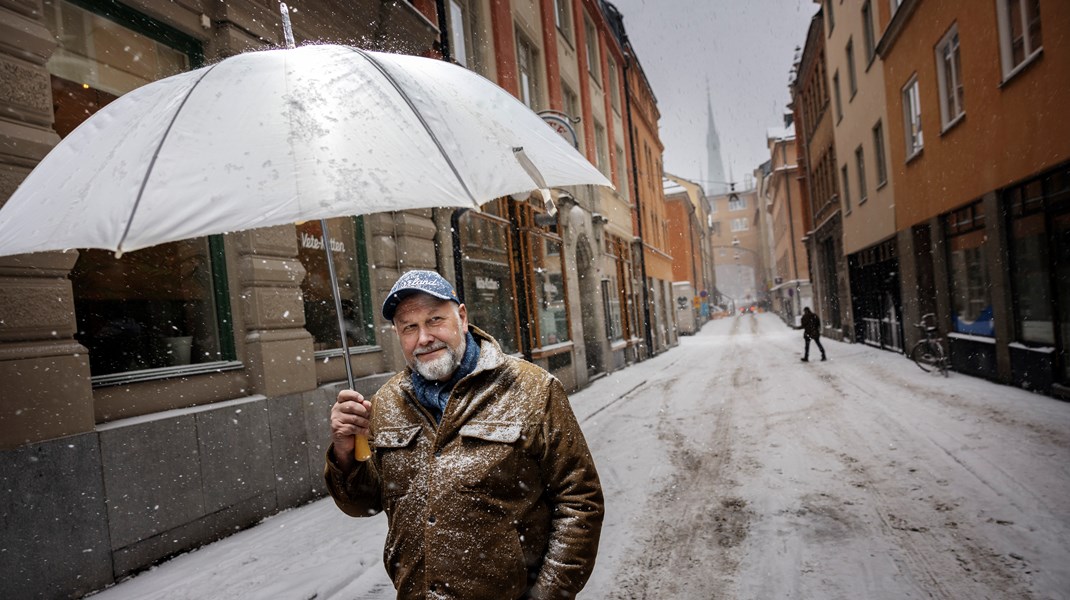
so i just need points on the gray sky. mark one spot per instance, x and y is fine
(744, 47)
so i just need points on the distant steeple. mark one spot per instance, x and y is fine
(714, 183)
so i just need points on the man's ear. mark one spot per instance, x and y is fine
(463, 313)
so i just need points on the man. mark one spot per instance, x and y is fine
(489, 489)
(811, 325)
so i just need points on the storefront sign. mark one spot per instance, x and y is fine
(561, 123)
(316, 243)
(486, 283)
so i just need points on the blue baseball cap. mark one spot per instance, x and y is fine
(414, 282)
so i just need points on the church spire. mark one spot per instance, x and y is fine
(715, 171)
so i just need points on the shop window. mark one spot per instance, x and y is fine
(487, 276)
(550, 310)
(160, 310)
(971, 302)
(321, 316)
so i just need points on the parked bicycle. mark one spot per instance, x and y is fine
(929, 353)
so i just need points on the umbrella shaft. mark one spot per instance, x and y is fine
(337, 300)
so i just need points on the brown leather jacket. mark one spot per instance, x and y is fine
(500, 501)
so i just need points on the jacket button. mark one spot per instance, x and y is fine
(438, 453)
(431, 519)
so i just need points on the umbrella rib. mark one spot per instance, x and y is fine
(420, 117)
(155, 154)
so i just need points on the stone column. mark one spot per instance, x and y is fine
(996, 251)
(278, 348)
(46, 392)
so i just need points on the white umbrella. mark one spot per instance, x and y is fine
(278, 136)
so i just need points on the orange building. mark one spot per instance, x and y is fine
(980, 155)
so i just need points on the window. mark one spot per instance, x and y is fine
(949, 78)
(830, 16)
(528, 72)
(548, 288)
(846, 190)
(867, 30)
(350, 263)
(912, 117)
(487, 277)
(968, 271)
(860, 168)
(614, 87)
(836, 92)
(736, 203)
(740, 224)
(464, 33)
(1019, 33)
(601, 149)
(622, 173)
(852, 80)
(591, 42)
(878, 154)
(166, 307)
(563, 18)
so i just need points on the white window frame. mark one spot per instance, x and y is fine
(737, 203)
(614, 85)
(528, 80)
(1031, 48)
(740, 224)
(949, 79)
(911, 98)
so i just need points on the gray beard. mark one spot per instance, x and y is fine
(442, 367)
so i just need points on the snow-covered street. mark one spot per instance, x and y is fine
(733, 470)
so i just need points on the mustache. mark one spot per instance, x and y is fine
(432, 348)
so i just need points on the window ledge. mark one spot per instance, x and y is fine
(953, 122)
(1032, 58)
(165, 373)
(552, 350)
(882, 184)
(353, 350)
(618, 345)
(913, 155)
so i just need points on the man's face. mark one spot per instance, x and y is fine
(432, 335)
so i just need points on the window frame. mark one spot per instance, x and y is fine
(868, 36)
(860, 170)
(563, 20)
(845, 173)
(852, 77)
(1006, 42)
(528, 79)
(910, 95)
(591, 48)
(879, 154)
(836, 94)
(951, 92)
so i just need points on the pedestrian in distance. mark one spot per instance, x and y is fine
(487, 482)
(811, 326)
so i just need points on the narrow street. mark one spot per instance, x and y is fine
(733, 470)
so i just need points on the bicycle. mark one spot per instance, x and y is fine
(929, 353)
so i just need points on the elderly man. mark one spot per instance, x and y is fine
(489, 489)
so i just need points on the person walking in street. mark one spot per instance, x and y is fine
(489, 488)
(811, 326)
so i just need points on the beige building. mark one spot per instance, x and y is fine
(735, 243)
(867, 198)
(791, 290)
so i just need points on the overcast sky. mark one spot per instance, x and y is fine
(744, 48)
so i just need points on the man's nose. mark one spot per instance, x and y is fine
(426, 338)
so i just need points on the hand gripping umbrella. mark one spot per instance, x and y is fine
(280, 136)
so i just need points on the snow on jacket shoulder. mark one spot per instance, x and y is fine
(501, 501)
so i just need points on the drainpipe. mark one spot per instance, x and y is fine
(443, 32)
(638, 205)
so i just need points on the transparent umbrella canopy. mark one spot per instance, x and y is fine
(281, 136)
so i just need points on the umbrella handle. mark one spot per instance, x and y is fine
(362, 451)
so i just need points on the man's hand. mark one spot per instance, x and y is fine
(350, 416)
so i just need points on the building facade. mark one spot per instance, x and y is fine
(867, 192)
(978, 151)
(735, 243)
(791, 290)
(811, 98)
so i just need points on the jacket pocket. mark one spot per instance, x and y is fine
(491, 452)
(398, 466)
